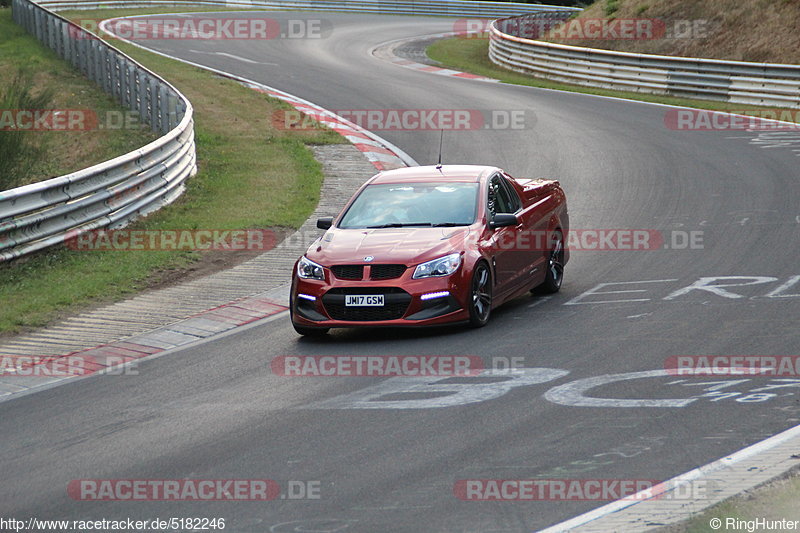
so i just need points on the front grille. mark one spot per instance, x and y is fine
(348, 271)
(396, 303)
(386, 271)
(377, 272)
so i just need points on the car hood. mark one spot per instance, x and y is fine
(386, 245)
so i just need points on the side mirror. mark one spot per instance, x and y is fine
(325, 222)
(502, 220)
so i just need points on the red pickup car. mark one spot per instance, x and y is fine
(431, 245)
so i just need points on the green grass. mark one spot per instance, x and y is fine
(251, 175)
(19, 150)
(774, 501)
(64, 152)
(472, 55)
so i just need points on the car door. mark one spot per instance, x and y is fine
(503, 241)
(533, 236)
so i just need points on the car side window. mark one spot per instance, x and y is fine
(514, 202)
(501, 200)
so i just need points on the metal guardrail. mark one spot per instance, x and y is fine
(452, 8)
(113, 193)
(770, 84)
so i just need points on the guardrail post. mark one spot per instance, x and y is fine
(51, 33)
(69, 45)
(37, 24)
(83, 56)
(141, 96)
(164, 114)
(180, 110)
(108, 70)
(116, 78)
(127, 94)
(153, 102)
(94, 62)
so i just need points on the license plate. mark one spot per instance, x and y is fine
(363, 300)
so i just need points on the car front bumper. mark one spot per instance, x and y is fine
(407, 302)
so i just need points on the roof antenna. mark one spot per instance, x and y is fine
(439, 163)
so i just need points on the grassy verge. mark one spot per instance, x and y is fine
(251, 175)
(776, 500)
(472, 55)
(759, 31)
(60, 152)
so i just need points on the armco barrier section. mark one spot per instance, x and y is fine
(769, 84)
(113, 193)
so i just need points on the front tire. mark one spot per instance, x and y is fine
(555, 266)
(480, 296)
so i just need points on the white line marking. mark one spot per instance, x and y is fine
(433, 393)
(539, 301)
(225, 54)
(677, 481)
(574, 393)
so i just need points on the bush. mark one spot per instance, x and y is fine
(18, 149)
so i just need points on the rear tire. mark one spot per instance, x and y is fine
(555, 266)
(480, 296)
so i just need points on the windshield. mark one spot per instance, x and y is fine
(397, 205)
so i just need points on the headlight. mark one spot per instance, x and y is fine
(444, 266)
(308, 269)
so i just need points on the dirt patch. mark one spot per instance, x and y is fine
(739, 30)
(209, 262)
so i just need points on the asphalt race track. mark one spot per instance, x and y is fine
(216, 411)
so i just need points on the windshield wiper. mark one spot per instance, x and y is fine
(448, 224)
(400, 225)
